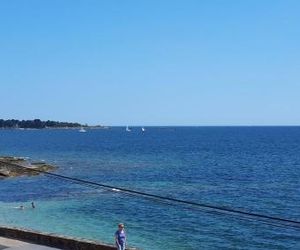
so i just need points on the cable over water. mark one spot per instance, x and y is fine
(262, 218)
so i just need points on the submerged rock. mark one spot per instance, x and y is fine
(17, 166)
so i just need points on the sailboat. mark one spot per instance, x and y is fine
(128, 129)
(82, 130)
(143, 129)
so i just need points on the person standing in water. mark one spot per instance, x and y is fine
(32, 205)
(120, 237)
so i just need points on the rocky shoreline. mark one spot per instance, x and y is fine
(19, 166)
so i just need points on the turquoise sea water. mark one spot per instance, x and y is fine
(253, 169)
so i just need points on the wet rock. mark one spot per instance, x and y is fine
(17, 166)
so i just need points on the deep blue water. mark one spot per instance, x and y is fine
(254, 169)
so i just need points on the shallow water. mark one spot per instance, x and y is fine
(248, 168)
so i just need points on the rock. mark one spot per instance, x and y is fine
(18, 166)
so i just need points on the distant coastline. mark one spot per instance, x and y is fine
(39, 124)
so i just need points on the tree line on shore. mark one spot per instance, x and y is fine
(36, 123)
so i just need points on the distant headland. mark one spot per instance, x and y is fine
(38, 124)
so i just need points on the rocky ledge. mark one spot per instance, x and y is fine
(18, 166)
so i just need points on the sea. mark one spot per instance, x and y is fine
(249, 169)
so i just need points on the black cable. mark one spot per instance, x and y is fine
(264, 218)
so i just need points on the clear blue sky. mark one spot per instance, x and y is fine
(213, 62)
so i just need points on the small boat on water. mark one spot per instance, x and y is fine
(128, 129)
(143, 129)
(82, 130)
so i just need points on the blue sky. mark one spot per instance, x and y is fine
(212, 62)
